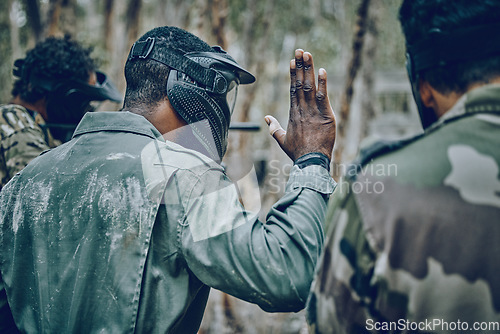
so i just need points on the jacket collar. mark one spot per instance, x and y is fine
(122, 121)
(484, 99)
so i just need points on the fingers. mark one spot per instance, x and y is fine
(322, 92)
(309, 85)
(303, 88)
(276, 130)
(293, 91)
(299, 74)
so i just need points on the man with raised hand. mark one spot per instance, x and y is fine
(126, 227)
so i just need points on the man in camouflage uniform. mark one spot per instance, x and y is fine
(50, 92)
(22, 140)
(413, 235)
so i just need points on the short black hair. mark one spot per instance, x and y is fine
(56, 58)
(418, 17)
(147, 79)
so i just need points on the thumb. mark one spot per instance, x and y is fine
(276, 130)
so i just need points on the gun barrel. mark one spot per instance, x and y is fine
(244, 126)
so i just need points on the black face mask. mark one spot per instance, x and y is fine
(68, 101)
(202, 88)
(207, 112)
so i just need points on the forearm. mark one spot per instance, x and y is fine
(272, 263)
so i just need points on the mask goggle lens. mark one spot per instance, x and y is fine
(231, 94)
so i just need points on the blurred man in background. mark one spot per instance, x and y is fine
(126, 227)
(413, 237)
(55, 84)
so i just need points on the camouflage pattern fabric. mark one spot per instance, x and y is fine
(22, 140)
(413, 239)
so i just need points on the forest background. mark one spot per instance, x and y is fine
(358, 42)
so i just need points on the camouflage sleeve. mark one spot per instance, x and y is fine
(22, 140)
(340, 295)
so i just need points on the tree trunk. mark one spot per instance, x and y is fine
(257, 64)
(32, 8)
(5, 48)
(53, 15)
(368, 97)
(203, 12)
(68, 24)
(133, 20)
(109, 7)
(353, 68)
(15, 44)
(219, 11)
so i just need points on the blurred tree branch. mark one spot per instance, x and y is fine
(109, 6)
(353, 69)
(133, 19)
(32, 8)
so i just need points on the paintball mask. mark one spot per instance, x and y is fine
(68, 100)
(442, 48)
(201, 87)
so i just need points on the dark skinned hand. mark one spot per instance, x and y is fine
(311, 123)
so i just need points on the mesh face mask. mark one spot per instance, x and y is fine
(202, 88)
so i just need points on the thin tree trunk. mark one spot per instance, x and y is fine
(133, 20)
(251, 51)
(203, 12)
(353, 68)
(5, 49)
(53, 15)
(219, 12)
(32, 8)
(109, 7)
(14, 32)
(368, 111)
(68, 24)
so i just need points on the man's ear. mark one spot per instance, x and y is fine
(426, 94)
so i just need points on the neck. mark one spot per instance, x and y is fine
(39, 106)
(453, 97)
(172, 127)
(163, 117)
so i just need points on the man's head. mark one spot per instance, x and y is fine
(168, 64)
(60, 77)
(445, 50)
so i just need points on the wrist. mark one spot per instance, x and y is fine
(313, 158)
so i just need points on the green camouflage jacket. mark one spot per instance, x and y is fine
(413, 239)
(22, 140)
(120, 231)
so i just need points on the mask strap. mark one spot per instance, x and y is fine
(213, 81)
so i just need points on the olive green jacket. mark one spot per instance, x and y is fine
(120, 231)
(413, 238)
